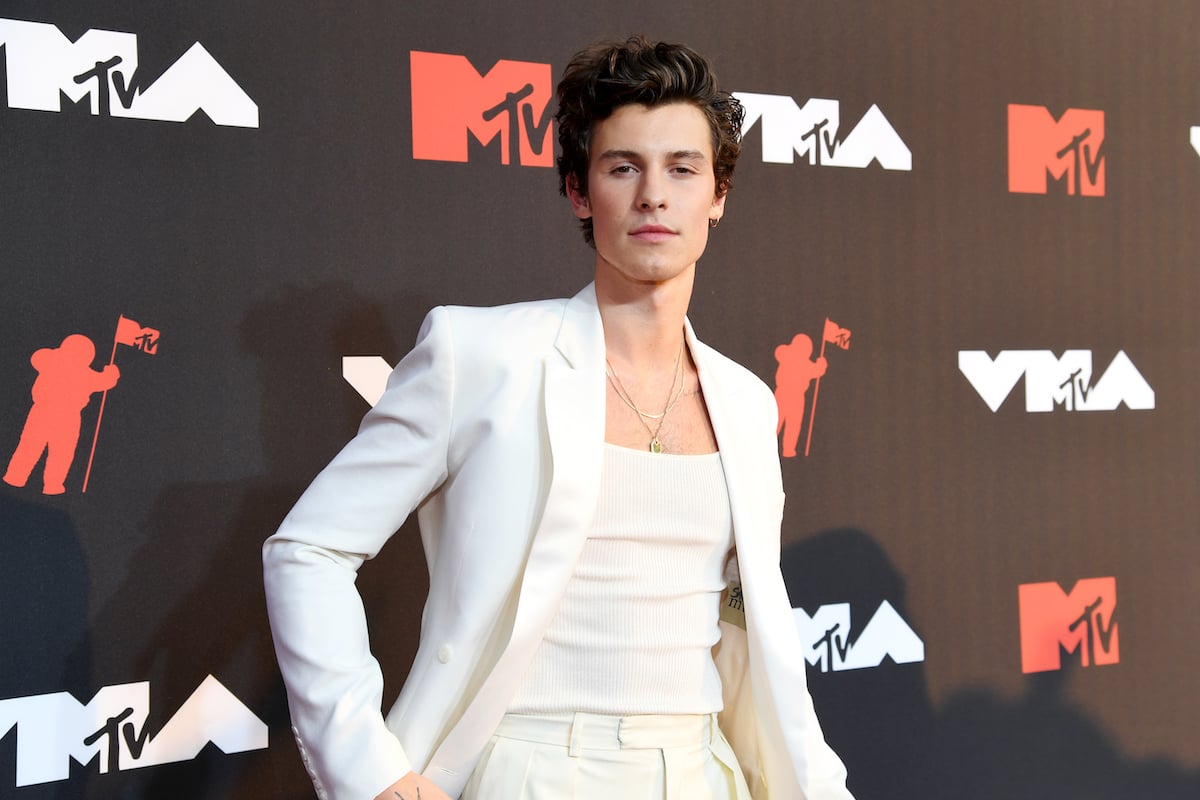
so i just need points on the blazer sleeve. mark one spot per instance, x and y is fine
(334, 684)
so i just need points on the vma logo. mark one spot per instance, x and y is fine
(1054, 622)
(812, 131)
(102, 66)
(54, 728)
(367, 375)
(826, 638)
(452, 102)
(1052, 382)
(1069, 150)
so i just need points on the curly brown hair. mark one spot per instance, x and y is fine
(607, 75)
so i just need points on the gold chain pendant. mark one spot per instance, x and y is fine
(655, 445)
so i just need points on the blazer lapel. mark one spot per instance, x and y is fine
(574, 397)
(574, 407)
(744, 475)
(574, 416)
(756, 505)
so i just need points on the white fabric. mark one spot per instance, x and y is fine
(634, 631)
(599, 757)
(492, 429)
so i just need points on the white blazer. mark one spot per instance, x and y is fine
(492, 430)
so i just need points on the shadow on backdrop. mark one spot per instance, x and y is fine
(879, 720)
(1043, 747)
(206, 612)
(977, 746)
(44, 636)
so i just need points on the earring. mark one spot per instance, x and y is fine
(712, 223)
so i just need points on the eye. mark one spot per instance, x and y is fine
(623, 169)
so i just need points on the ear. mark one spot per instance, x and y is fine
(579, 201)
(718, 207)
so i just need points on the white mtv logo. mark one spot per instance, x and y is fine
(825, 637)
(54, 728)
(812, 130)
(1051, 382)
(42, 65)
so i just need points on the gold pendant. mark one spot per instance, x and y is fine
(655, 445)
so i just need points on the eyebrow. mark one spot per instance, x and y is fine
(611, 155)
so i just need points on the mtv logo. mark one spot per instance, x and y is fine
(451, 101)
(1070, 148)
(812, 131)
(43, 65)
(1052, 382)
(1054, 622)
(53, 729)
(825, 637)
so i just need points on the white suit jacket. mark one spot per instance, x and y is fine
(492, 429)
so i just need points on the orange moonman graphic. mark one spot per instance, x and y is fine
(64, 386)
(797, 371)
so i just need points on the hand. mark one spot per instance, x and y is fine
(413, 787)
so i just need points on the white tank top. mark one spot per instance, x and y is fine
(636, 626)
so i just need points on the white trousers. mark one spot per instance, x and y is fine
(594, 757)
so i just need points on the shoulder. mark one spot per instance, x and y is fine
(510, 318)
(732, 377)
(495, 333)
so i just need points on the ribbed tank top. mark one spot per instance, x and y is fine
(636, 626)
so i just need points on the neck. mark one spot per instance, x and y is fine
(643, 323)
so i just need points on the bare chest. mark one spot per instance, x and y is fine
(684, 430)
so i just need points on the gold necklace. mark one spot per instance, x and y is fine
(673, 396)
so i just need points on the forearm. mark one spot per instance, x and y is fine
(334, 684)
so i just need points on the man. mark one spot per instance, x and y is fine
(588, 478)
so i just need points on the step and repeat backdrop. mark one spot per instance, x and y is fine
(961, 246)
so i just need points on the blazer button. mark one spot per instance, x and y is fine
(445, 653)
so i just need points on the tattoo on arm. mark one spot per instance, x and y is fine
(403, 798)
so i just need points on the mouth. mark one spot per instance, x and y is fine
(652, 233)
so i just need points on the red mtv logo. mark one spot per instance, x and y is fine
(1053, 622)
(451, 100)
(1071, 149)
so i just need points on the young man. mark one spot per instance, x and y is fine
(589, 479)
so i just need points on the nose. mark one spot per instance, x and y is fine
(652, 194)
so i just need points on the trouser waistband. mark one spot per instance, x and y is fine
(580, 730)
